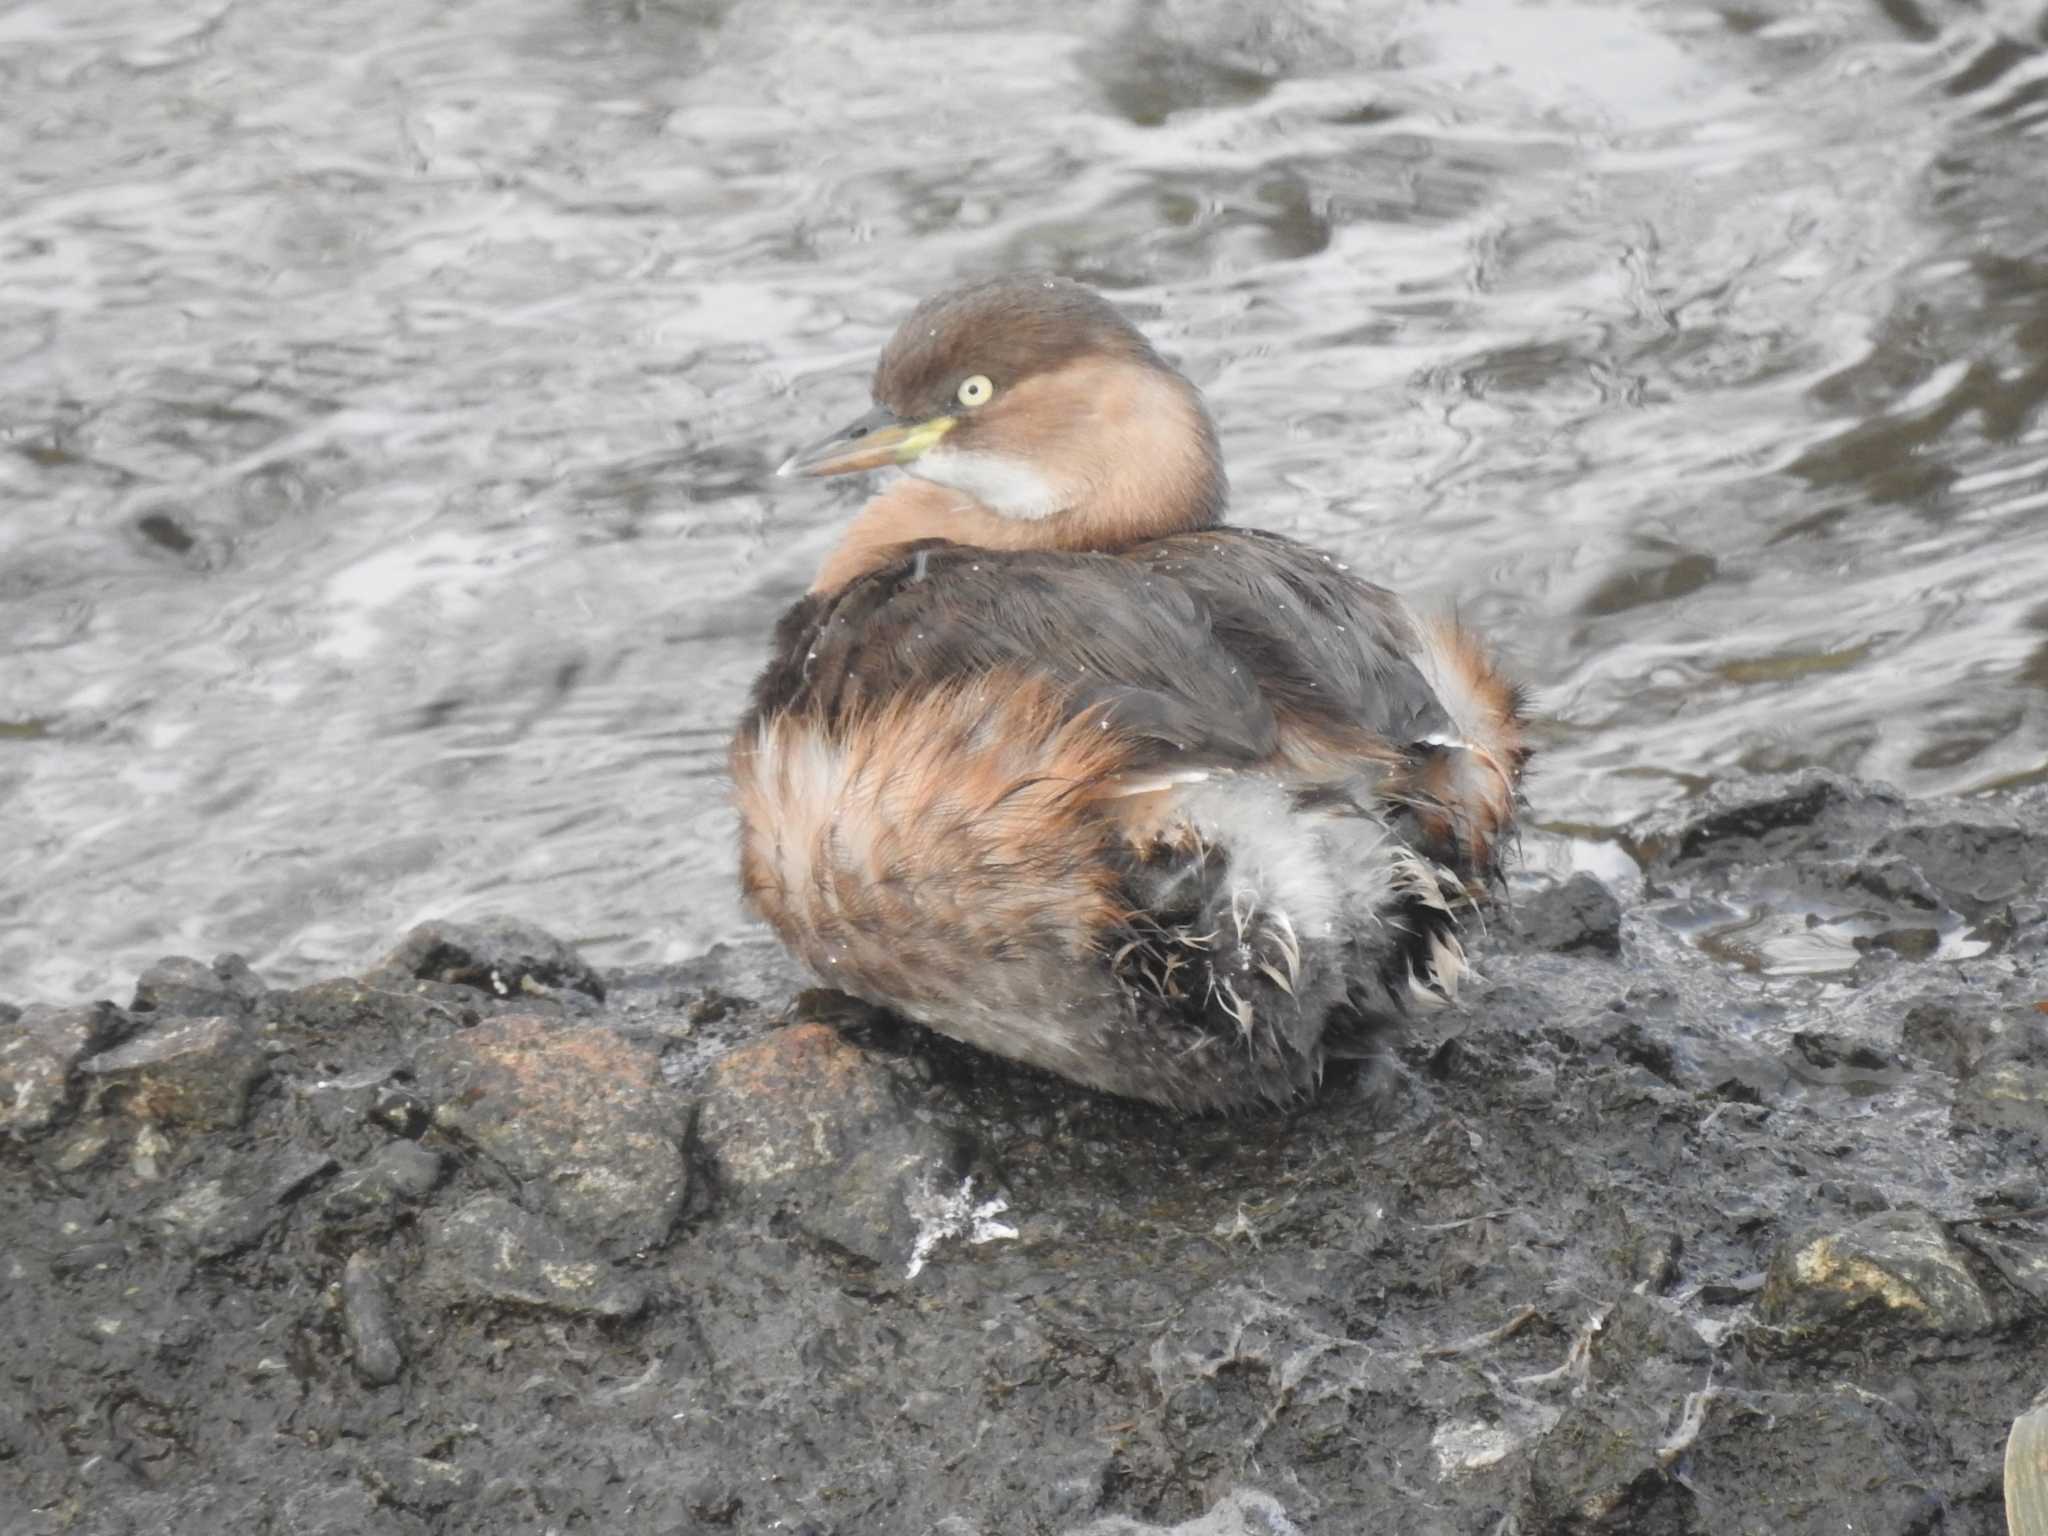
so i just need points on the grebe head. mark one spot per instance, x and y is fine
(1034, 397)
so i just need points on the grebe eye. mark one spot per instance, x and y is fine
(975, 390)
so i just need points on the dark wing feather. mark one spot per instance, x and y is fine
(1201, 642)
(1326, 645)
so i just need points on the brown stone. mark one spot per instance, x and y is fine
(190, 1072)
(577, 1114)
(794, 1101)
(802, 1120)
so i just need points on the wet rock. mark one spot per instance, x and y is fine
(500, 957)
(1858, 1195)
(15, 1436)
(2015, 1245)
(714, 1007)
(1892, 881)
(1875, 1447)
(1831, 1051)
(392, 1015)
(575, 1113)
(224, 1216)
(713, 1502)
(1823, 1056)
(1641, 1339)
(1653, 1261)
(99, 1256)
(373, 1196)
(1893, 1274)
(1241, 1512)
(401, 1111)
(490, 1250)
(340, 1105)
(1975, 864)
(326, 1510)
(1750, 821)
(422, 1484)
(180, 986)
(185, 1072)
(802, 1121)
(39, 1050)
(1597, 1471)
(693, 1012)
(1946, 1034)
(369, 1321)
(739, 971)
(81, 1146)
(2005, 1096)
(1581, 914)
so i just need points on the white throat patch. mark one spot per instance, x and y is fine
(1007, 487)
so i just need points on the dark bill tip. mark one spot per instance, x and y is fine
(879, 438)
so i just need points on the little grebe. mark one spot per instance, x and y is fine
(1051, 762)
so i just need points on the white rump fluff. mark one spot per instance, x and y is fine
(1324, 873)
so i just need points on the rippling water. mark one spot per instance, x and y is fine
(388, 394)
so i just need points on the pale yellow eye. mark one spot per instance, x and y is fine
(975, 390)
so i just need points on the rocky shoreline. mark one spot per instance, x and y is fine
(1641, 1239)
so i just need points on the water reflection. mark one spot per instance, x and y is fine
(387, 397)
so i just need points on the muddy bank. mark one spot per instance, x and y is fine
(1720, 1209)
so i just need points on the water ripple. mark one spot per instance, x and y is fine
(388, 396)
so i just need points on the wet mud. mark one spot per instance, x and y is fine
(1720, 1208)
(391, 394)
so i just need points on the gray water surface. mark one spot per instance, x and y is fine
(389, 395)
